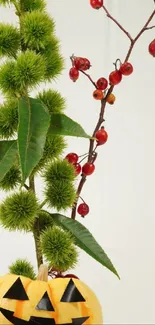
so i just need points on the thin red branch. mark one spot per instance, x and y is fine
(129, 51)
(91, 149)
(104, 101)
(151, 27)
(145, 27)
(89, 77)
(118, 24)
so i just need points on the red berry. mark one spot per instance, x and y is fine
(96, 4)
(77, 168)
(98, 94)
(87, 65)
(102, 83)
(88, 169)
(101, 136)
(115, 77)
(126, 68)
(74, 74)
(83, 209)
(71, 276)
(72, 158)
(152, 48)
(81, 63)
(111, 99)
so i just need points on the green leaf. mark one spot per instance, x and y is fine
(64, 125)
(84, 239)
(34, 121)
(8, 153)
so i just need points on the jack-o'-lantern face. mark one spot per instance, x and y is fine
(61, 301)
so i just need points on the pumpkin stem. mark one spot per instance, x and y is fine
(43, 273)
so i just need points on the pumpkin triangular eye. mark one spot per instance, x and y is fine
(79, 321)
(45, 303)
(17, 291)
(72, 294)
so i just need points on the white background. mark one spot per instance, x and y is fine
(121, 192)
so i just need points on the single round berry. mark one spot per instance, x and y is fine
(111, 99)
(83, 209)
(96, 4)
(126, 68)
(98, 94)
(115, 77)
(102, 83)
(101, 136)
(74, 74)
(152, 48)
(88, 169)
(81, 63)
(77, 167)
(71, 276)
(87, 64)
(72, 158)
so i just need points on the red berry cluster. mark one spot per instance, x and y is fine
(73, 159)
(79, 63)
(88, 168)
(83, 64)
(101, 85)
(102, 92)
(115, 76)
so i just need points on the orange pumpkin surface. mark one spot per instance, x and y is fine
(41, 302)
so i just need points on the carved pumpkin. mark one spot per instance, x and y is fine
(61, 301)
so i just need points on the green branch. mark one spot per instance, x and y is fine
(36, 229)
(43, 203)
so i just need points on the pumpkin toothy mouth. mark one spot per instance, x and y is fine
(38, 320)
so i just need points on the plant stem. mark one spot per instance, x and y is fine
(36, 236)
(151, 27)
(21, 15)
(117, 23)
(104, 102)
(32, 184)
(27, 187)
(43, 203)
(89, 77)
(36, 229)
(145, 27)
(91, 150)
